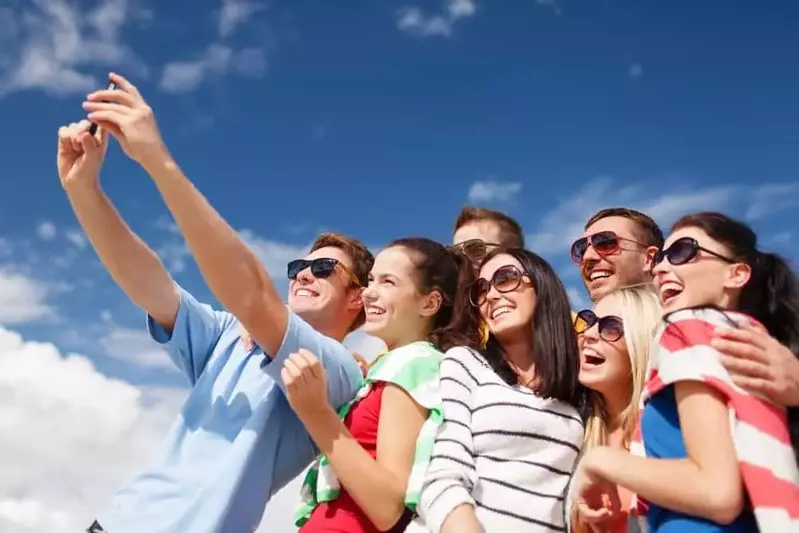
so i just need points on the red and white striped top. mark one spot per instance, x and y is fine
(682, 352)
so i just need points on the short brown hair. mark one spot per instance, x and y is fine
(510, 231)
(362, 260)
(649, 232)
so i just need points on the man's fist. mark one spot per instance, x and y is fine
(80, 155)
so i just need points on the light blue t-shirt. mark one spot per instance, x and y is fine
(237, 440)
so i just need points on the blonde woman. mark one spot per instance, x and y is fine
(615, 340)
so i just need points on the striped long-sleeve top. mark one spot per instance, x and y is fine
(501, 448)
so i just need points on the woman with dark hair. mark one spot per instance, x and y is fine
(718, 459)
(375, 450)
(511, 431)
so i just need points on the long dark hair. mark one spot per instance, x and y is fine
(449, 272)
(555, 352)
(772, 294)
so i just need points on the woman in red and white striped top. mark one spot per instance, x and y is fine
(718, 459)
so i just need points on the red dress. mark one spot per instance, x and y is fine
(343, 515)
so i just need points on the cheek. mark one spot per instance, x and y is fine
(619, 366)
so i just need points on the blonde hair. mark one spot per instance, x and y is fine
(641, 315)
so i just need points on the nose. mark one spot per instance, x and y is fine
(493, 294)
(661, 268)
(590, 256)
(591, 334)
(305, 277)
(369, 293)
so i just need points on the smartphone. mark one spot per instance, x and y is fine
(93, 127)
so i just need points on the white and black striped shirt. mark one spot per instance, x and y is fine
(502, 448)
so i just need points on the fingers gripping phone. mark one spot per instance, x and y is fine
(93, 127)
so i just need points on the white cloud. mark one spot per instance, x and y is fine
(214, 62)
(273, 254)
(461, 8)
(218, 58)
(46, 230)
(493, 191)
(234, 13)
(107, 430)
(558, 227)
(56, 43)
(412, 20)
(635, 70)
(134, 346)
(77, 238)
(22, 299)
(59, 414)
(769, 199)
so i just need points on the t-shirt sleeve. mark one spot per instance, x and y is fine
(344, 377)
(197, 330)
(451, 474)
(684, 350)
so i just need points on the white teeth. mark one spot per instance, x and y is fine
(669, 291)
(305, 293)
(500, 311)
(370, 310)
(598, 274)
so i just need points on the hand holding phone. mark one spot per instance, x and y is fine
(93, 127)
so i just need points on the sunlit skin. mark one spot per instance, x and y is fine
(324, 298)
(605, 365)
(628, 266)
(484, 230)
(396, 312)
(508, 315)
(704, 280)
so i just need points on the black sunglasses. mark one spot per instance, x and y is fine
(475, 249)
(604, 242)
(683, 250)
(321, 268)
(505, 279)
(611, 328)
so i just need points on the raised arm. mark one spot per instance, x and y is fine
(129, 261)
(446, 502)
(706, 484)
(232, 271)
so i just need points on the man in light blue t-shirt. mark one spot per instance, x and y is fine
(237, 440)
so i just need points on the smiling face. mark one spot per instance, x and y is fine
(396, 312)
(511, 312)
(706, 279)
(320, 300)
(604, 358)
(628, 265)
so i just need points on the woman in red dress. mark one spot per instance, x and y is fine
(417, 304)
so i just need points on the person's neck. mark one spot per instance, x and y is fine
(393, 344)
(519, 353)
(616, 402)
(335, 331)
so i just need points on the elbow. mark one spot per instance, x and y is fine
(724, 506)
(390, 515)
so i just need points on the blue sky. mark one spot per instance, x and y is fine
(380, 119)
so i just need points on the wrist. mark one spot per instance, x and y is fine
(157, 162)
(83, 188)
(594, 460)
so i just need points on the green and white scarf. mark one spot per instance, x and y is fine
(414, 368)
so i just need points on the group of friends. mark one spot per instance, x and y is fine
(668, 406)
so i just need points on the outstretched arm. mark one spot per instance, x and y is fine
(232, 271)
(129, 261)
